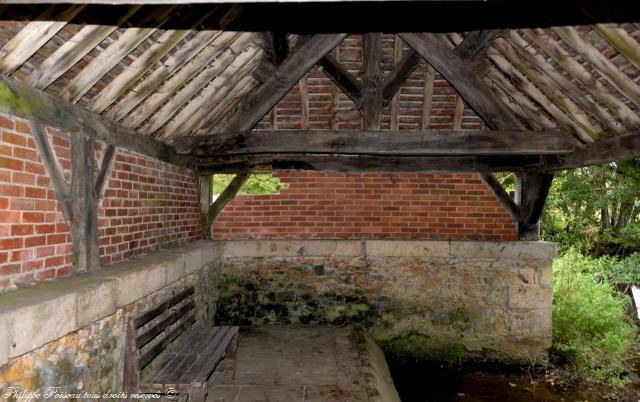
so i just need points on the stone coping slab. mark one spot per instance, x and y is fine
(34, 316)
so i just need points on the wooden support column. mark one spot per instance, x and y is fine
(205, 186)
(532, 188)
(372, 102)
(78, 201)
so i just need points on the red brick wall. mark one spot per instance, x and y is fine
(347, 206)
(147, 204)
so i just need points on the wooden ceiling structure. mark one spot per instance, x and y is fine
(556, 86)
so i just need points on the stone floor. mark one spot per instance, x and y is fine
(292, 364)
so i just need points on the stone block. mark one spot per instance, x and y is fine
(291, 248)
(544, 274)
(513, 250)
(192, 259)
(5, 327)
(211, 251)
(530, 296)
(135, 280)
(541, 324)
(38, 317)
(404, 248)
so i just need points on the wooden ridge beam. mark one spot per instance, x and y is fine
(475, 92)
(373, 142)
(284, 78)
(27, 102)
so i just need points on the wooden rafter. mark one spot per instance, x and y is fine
(342, 78)
(374, 142)
(34, 35)
(227, 195)
(399, 74)
(276, 46)
(474, 91)
(24, 101)
(284, 78)
(112, 55)
(225, 106)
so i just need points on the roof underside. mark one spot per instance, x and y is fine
(175, 71)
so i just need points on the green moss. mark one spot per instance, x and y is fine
(411, 347)
(454, 354)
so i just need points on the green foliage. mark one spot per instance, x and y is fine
(257, 184)
(596, 209)
(589, 325)
(626, 270)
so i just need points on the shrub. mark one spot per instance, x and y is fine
(589, 325)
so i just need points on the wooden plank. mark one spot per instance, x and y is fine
(621, 41)
(588, 82)
(366, 163)
(73, 50)
(605, 67)
(224, 107)
(144, 318)
(34, 35)
(145, 61)
(342, 78)
(216, 355)
(429, 74)
(193, 84)
(84, 223)
(114, 53)
(157, 329)
(227, 195)
(575, 94)
(504, 198)
(373, 142)
(475, 92)
(458, 113)
(395, 100)
(288, 73)
(33, 104)
(400, 73)
(152, 353)
(48, 159)
(206, 362)
(304, 102)
(372, 103)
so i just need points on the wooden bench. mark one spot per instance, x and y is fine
(191, 355)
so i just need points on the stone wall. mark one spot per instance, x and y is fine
(419, 299)
(70, 333)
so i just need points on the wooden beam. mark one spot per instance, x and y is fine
(276, 46)
(476, 43)
(372, 101)
(475, 92)
(374, 142)
(427, 100)
(532, 188)
(458, 113)
(504, 198)
(343, 79)
(366, 163)
(284, 78)
(205, 186)
(227, 195)
(34, 35)
(395, 100)
(399, 74)
(334, 106)
(623, 147)
(304, 102)
(105, 165)
(33, 104)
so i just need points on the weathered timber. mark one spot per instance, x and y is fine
(373, 142)
(588, 82)
(304, 102)
(427, 102)
(105, 165)
(475, 92)
(395, 100)
(34, 35)
(114, 53)
(458, 113)
(342, 78)
(532, 188)
(205, 186)
(84, 224)
(335, 97)
(399, 74)
(227, 195)
(276, 46)
(63, 191)
(366, 163)
(372, 101)
(73, 50)
(24, 101)
(623, 147)
(504, 198)
(476, 43)
(284, 78)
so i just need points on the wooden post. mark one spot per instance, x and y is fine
(206, 188)
(372, 81)
(532, 188)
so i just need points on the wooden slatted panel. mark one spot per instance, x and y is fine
(34, 35)
(156, 311)
(157, 329)
(153, 352)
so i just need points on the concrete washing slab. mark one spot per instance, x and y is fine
(303, 363)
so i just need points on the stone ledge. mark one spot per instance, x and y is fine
(35, 316)
(290, 248)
